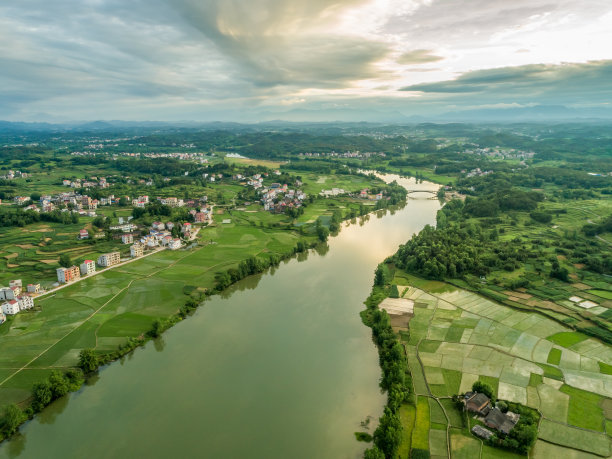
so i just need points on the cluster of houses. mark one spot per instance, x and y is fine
(14, 175)
(346, 154)
(480, 405)
(277, 198)
(88, 267)
(365, 194)
(502, 153)
(15, 300)
(93, 182)
(82, 204)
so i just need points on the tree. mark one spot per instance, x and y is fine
(393, 291)
(381, 275)
(88, 361)
(12, 418)
(59, 384)
(64, 260)
(322, 231)
(483, 388)
(373, 453)
(388, 434)
(42, 395)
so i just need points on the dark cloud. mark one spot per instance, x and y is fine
(565, 83)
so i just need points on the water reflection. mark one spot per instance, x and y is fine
(50, 414)
(159, 344)
(322, 249)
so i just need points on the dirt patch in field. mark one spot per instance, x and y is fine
(10, 256)
(524, 296)
(25, 246)
(581, 286)
(579, 265)
(12, 266)
(49, 262)
(39, 230)
(574, 276)
(561, 257)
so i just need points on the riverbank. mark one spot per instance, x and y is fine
(455, 338)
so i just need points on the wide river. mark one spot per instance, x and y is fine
(279, 367)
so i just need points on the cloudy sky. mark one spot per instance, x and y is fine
(248, 60)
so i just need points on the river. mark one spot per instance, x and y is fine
(278, 367)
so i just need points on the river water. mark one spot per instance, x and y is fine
(279, 367)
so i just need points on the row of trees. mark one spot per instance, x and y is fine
(392, 358)
(18, 217)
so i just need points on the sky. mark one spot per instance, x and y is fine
(252, 60)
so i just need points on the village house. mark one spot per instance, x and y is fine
(174, 244)
(478, 403)
(186, 228)
(83, 234)
(170, 225)
(20, 200)
(88, 267)
(25, 302)
(137, 250)
(2, 316)
(33, 288)
(6, 293)
(65, 275)
(200, 217)
(166, 240)
(158, 226)
(127, 238)
(504, 422)
(10, 307)
(109, 259)
(481, 432)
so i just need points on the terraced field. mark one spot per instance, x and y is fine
(458, 337)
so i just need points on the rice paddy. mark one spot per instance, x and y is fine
(458, 337)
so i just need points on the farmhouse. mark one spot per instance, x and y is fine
(478, 403)
(68, 274)
(481, 432)
(109, 259)
(504, 422)
(83, 234)
(88, 267)
(127, 238)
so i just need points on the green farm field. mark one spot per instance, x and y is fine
(102, 312)
(458, 337)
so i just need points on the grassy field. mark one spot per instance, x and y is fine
(407, 415)
(420, 433)
(525, 356)
(103, 311)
